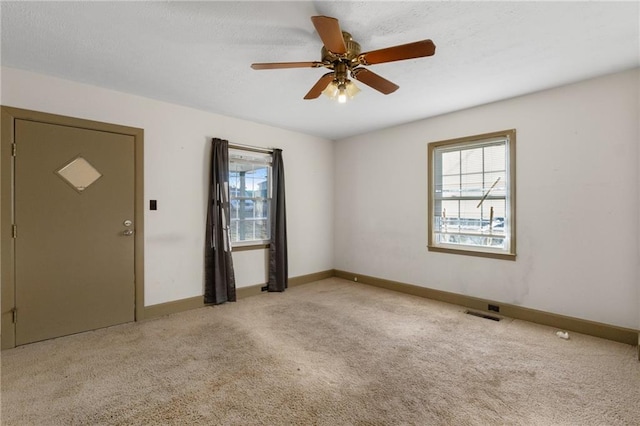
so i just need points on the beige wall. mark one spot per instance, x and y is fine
(177, 146)
(577, 203)
(577, 208)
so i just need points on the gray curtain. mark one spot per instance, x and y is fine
(220, 282)
(278, 262)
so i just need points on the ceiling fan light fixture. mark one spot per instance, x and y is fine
(341, 91)
(331, 91)
(352, 89)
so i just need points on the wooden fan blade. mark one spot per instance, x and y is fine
(280, 65)
(417, 49)
(320, 85)
(374, 81)
(330, 33)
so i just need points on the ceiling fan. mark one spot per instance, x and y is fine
(341, 54)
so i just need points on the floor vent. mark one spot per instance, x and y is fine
(481, 315)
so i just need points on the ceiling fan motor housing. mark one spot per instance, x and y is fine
(353, 50)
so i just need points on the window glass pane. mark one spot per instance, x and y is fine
(472, 185)
(249, 181)
(471, 160)
(234, 205)
(233, 180)
(451, 163)
(451, 186)
(470, 214)
(495, 158)
(233, 230)
(500, 187)
(493, 223)
(260, 208)
(257, 181)
(451, 209)
(447, 219)
(251, 230)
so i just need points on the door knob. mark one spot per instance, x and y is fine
(127, 232)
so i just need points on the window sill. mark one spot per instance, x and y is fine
(492, 255)
(249, 247)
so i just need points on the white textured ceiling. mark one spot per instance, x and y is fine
(198, 53)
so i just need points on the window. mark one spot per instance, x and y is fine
(472, 196)
(250, 197)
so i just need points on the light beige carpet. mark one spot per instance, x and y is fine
(329, 353)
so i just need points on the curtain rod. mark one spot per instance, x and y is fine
(250, 148)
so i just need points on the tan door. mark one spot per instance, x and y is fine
(74, 252)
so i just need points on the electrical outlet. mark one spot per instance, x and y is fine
(494, 308)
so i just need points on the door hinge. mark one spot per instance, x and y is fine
(14, 315)
(14, 231)
(13, 149)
